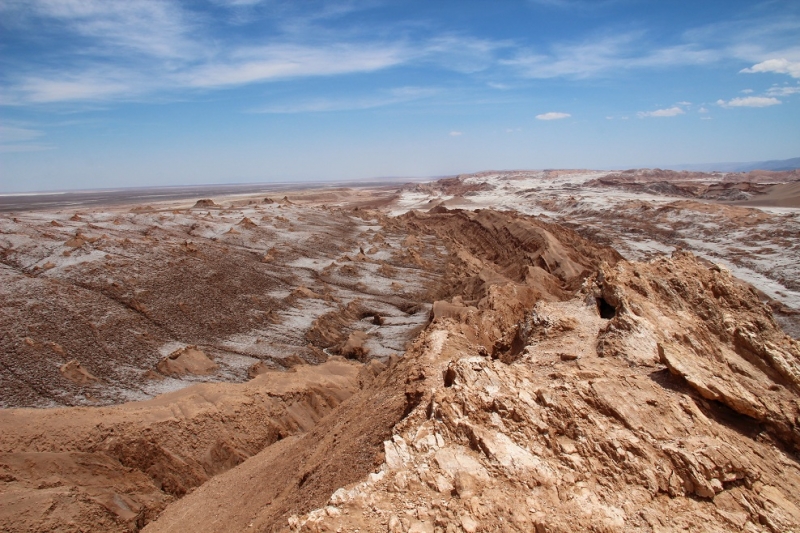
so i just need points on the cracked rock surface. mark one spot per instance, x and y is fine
(665, 419)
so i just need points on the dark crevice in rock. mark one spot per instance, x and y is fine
(607, 311)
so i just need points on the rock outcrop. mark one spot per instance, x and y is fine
(679, 413)
(187, 360)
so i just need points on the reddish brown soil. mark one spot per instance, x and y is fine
(119, 290)
(117, 468)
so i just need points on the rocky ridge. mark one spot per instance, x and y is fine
(621, 396)
(678, 413)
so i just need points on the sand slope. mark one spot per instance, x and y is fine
(781, 195)
(116, 468)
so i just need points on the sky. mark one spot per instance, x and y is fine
(107, 93)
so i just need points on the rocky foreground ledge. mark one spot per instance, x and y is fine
(557, 387)
(679, 413)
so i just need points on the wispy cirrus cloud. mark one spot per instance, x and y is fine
(14, 134)
(124, 50)
(14, 139)
(460, 53)
(49, 87)
(609, 52)
(606, 55)
(749, 101)
(282, 61)
(113, 50)
(783, 91)
(322, 105)
(755, 38)
(553, 115)
(673, 111)
(95, 50)
(117, 51)
(291, 61)
(151, 27)
(238, 3)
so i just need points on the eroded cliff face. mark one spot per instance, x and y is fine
(677, 412)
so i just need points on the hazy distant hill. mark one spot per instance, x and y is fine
(784, 164)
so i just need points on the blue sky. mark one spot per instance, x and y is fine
(104, 93)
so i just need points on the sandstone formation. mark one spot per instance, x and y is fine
(679, 413)
(73, 371)
(186, 360)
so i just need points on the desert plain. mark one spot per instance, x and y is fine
(559, 350)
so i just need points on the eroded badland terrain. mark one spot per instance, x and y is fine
(510, 351)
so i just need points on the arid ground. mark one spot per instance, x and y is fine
(505, 351)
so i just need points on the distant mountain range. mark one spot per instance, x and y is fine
(784, 164)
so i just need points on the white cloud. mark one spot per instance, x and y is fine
(553, 115)
(604, 55)
(702, 110)
(752, 39)
(456, 133)
(747, 91)
(17, 139)
(749, 101)
(783, 91)
(778, 66)
(398, 95)
(684, 104)
(152, 27)
(669, 112)
(291, 61)
(65, 87)
(162, 47)
(12, 134)
(240, 67)
(458, 53)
